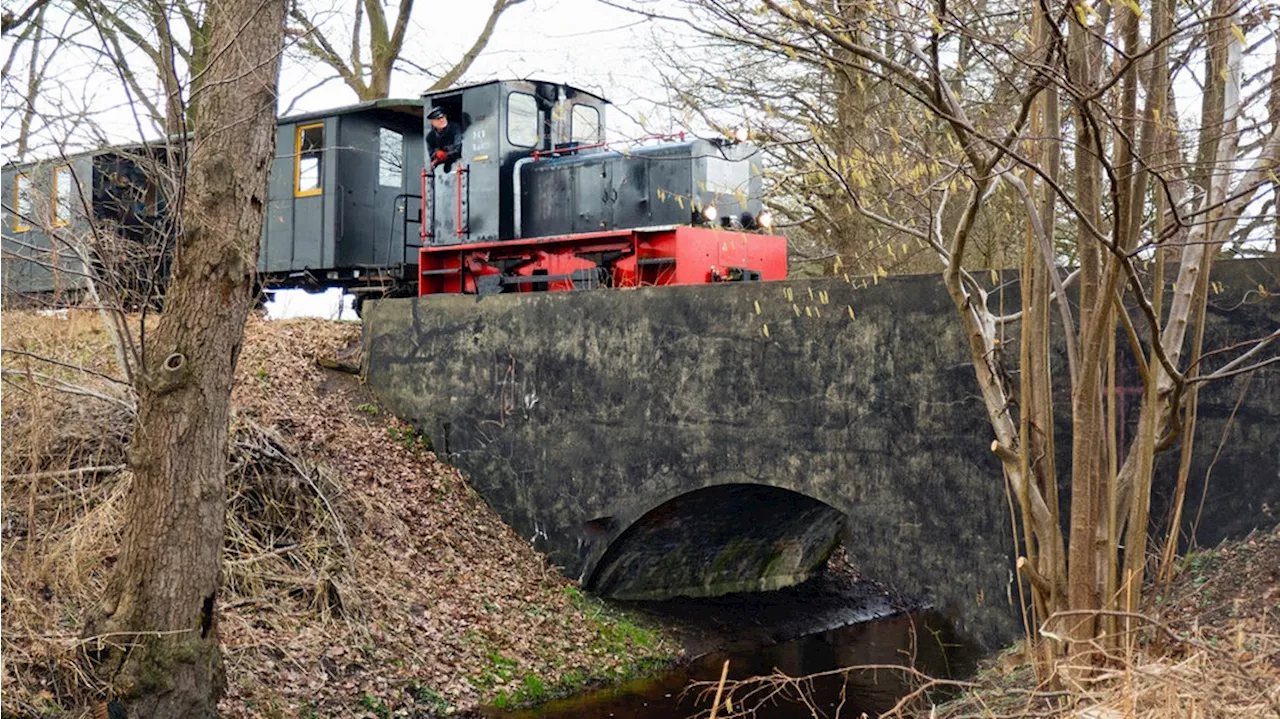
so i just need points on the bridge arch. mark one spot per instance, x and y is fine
(718, 539)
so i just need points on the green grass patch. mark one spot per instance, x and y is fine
(622, 649)
(428, 698)
(617, 633)
(409, 438)
(375, 705)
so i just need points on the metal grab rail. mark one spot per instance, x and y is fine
(539, 154)
(424, 233)
(459, 228)
(404, 227)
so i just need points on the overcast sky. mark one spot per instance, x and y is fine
(582, 42)
(579, 42)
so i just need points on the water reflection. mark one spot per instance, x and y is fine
(924, 640)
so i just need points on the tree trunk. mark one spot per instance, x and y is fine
(1273, 110)
(1086, 406)
(160, 608)
(1215, 80)
(34, 76)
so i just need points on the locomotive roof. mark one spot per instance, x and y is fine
(535, 81)
(408, 106)
(413, 106)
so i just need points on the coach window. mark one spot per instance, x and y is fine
(62, 184)
(585, 125)
(522, 120)
(308, 162)
(21, 203)
(390, 158)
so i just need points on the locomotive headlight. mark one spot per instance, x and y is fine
(742, 134)
(765, 219)
(710, 213)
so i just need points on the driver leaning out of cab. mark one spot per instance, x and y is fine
(444, 140)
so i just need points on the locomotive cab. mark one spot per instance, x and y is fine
(502, 123)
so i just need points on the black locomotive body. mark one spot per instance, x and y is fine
(538, 200)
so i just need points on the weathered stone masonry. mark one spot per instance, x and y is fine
(801, 410)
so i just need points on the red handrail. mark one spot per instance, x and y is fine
(422, 232)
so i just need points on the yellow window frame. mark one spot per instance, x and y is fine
(297, 162)
(17, 202)
(60, 221)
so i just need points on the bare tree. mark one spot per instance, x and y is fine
(31, 13)
(832, 132)
(158, 619)
(1059, 121)
(375, 44)
(173, 37)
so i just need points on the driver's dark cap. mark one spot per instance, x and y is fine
(435, 113)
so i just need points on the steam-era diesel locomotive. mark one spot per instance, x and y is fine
(536, 200)
(539, 201)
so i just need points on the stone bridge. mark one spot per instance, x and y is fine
(701, 440)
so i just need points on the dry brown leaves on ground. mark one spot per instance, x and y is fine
(362, 576)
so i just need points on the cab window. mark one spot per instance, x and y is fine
(21, 203)
(390, 158)
(584, 125)
(522, 120)
(308, 160)
(62, 184)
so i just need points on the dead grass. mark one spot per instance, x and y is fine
(1208, 646)
(361, 576)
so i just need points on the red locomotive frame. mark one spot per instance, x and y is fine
(678, 255)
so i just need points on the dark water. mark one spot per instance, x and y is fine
(922, 639)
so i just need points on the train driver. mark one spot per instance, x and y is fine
(444, 141)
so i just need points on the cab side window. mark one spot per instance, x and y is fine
(21, 203)
(584, 125)
(308, 160)
(523, 126)
(63, 183)
(390, 158)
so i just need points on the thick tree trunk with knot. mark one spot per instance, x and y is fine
(158, 619)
